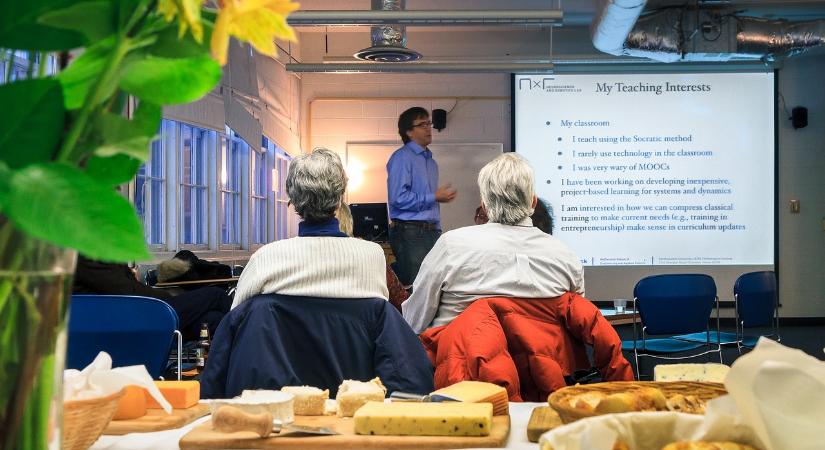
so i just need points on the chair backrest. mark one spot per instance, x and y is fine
(675, 303)
(756, 298)
(133, 330)
(272, 340)
(151, 277)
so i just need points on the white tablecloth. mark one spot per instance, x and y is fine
(168, 440)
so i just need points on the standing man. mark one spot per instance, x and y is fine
(414, 194)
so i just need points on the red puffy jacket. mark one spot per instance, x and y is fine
(525, 345)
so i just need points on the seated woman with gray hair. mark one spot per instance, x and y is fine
(313, 310)
(322, 261)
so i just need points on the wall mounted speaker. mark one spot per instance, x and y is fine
(799, 117)
(440, 119)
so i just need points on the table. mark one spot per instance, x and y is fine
(168, 440)
(625, 318)
(208, 282)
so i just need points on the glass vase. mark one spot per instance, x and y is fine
(35, 285)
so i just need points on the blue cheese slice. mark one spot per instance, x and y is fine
(424, 419)
(710, 372)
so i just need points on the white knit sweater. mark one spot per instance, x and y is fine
(336, 267)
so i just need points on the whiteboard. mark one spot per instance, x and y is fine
(458, 164)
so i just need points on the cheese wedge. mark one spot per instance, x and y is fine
(309, 401)
(353, 394)
(479, 392)
(180, 394)
(132, 405)
(710, 372)
(424, 419)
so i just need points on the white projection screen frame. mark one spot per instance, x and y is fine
(653, 173)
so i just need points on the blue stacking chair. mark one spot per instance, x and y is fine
(670, 305)
(757, 305)
(133, 330)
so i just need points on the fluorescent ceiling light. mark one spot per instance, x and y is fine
(422, 67)
(528, 17)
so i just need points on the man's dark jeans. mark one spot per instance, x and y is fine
(410, 242)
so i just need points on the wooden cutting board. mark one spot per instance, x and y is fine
(203, 437)
(157, 420)
(543, 419)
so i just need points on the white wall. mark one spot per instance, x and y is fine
(802, 177)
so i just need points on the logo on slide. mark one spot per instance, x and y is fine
(545, 84)
(530, 83)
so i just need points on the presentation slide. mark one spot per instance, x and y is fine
(654, 169)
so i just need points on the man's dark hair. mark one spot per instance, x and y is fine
(541, 218)
(407, 118)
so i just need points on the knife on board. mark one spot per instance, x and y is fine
(409, 397)
(228, 419)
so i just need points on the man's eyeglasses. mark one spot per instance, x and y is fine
(423, 125)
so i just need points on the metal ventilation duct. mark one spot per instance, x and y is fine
(388, 41)
(759, 36)
(660, 36)
(677, 34)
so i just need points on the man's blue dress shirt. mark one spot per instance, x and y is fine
(412, 179)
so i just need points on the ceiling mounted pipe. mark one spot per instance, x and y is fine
(422, 67)
(527, 17)
(612, 22)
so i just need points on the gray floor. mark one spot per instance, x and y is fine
(810, 339)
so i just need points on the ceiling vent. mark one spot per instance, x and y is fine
(388, 41)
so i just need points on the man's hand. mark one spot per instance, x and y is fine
(445, 193)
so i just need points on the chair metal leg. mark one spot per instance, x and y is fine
(180, 350)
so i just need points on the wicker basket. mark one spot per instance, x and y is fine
(85, 420)
(560, 399)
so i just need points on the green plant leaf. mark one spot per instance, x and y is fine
(35, 37)
(19, 28)
(168, 45)
(5, 177)
(112, 170)
(147, 117)
(166, 81)
(85, 70)
(31, 121)
(65, 206)
(130, 137)
(122, 136)
(94, 19)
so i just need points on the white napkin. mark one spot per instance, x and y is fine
(98, 379)
(776, 401)
(780, 393)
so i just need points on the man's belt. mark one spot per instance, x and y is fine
(415, 223)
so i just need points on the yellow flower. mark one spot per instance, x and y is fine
(190, 15)
(258, 22)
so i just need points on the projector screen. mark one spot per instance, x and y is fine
(656, 173)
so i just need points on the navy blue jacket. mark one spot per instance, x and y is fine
(270, 341)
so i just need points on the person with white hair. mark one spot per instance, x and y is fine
(322, 261)
(312, 310)
(506, 257)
